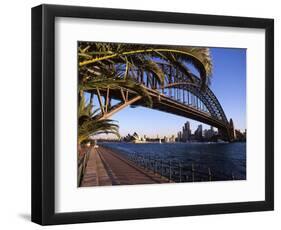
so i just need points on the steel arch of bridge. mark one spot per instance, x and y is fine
(180, 94)
(194, 86)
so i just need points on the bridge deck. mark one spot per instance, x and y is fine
(105, 167)
(165, 104)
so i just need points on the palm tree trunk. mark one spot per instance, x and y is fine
(80, 95)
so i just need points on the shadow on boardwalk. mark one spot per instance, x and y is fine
(106, 167)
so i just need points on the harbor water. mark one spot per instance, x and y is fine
(209, 161)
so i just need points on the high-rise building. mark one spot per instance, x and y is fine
(179, 138)
(186, 132)
(199, 132)
(173, 138)
(209, 133)
(166, 139)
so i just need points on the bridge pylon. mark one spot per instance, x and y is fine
(228, 133)
(232, 132)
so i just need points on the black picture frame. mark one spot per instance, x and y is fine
(43, 114)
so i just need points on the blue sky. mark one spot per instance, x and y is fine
(228, 82)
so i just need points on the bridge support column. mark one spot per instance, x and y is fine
(225, 134)
(229, 133)
(232, 129)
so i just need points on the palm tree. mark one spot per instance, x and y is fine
(88, 125)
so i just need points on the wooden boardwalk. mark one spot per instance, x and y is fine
(106, 167)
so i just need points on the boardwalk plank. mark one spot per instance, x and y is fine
(106, 167)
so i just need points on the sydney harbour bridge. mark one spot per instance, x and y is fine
(178, 95)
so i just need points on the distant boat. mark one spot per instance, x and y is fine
(160, 141)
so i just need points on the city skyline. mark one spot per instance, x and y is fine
(201, 134)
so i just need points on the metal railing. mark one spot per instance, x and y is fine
(176, 170)
(82, 164)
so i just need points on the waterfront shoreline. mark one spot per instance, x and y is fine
(226, 161)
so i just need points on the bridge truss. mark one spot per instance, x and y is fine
(179, 94)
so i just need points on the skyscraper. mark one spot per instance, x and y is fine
(199, 132)
(186, 132)
(179, 138)
(209, 133)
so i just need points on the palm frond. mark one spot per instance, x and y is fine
(177, 56)
(89, 126)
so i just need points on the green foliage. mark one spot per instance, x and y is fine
(88, 125)
(142, 57)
